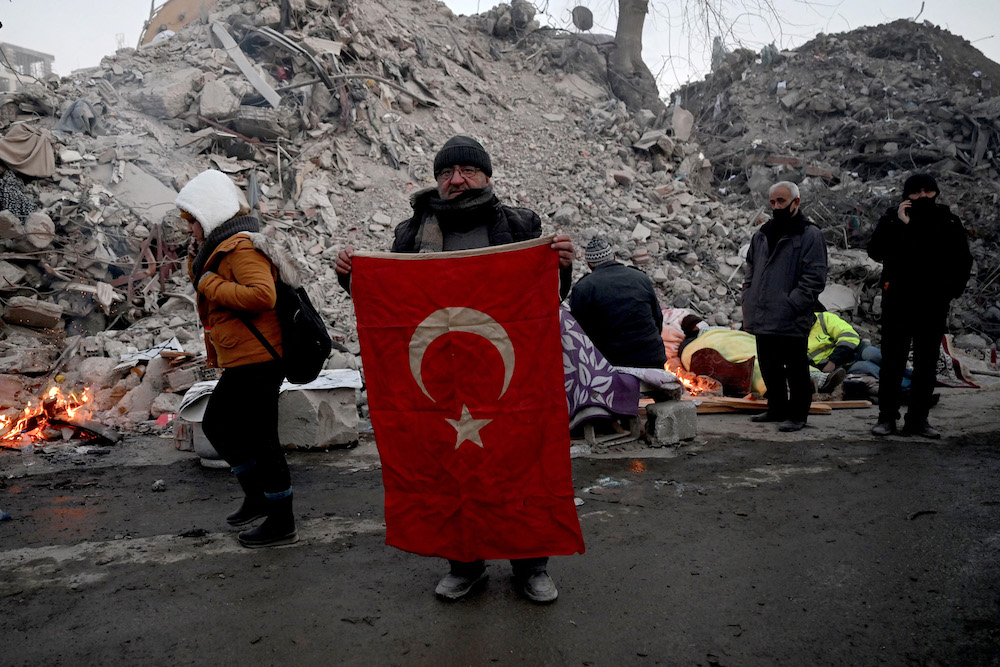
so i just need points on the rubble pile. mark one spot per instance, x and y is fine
(328, 116)
(848, 117)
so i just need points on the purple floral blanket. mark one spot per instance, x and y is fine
(593, 388)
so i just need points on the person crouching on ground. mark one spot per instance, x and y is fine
(616, 306)
(235, 283)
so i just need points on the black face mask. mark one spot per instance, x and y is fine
(922, 208)
(782, 216)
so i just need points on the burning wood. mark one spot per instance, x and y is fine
(695, 384)
(55, 416)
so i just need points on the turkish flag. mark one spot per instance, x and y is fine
(463, 363)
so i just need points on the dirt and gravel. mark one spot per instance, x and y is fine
(741, 547)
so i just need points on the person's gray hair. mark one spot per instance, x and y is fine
(792, 188)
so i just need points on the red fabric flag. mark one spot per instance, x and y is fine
(463, 363)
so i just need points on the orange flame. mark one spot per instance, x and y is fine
(30, 424)
(695, 384)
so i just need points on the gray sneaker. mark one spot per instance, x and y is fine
(923, 429)
(456, 586)
(539, 588)
(884, 428)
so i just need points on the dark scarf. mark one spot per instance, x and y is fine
(242, 223)
(470, 209)
(777, 228)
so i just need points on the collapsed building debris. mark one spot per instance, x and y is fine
(847, 117)
(328, 115)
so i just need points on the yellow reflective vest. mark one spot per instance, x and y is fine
(829, 331)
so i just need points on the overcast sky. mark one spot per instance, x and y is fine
(80, 32)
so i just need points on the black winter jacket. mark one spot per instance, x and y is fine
(927, 259)
(617, 307)
(510, 225)
(782, 287)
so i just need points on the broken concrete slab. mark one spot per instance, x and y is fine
(167, 96)
(141, 191)
(217, 100)
(317, 419)
(33, 313)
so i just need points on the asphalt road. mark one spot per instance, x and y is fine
(742, 547)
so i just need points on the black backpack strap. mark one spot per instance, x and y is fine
(263, 341)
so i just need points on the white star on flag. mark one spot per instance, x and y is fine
(468, 428)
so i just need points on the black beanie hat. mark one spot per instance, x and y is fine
(918, 182)
(462, 150)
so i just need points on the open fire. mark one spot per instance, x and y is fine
(54, 416)
(695, 384)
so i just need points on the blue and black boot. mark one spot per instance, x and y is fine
(279, 526)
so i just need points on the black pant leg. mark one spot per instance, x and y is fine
(800, 389)
(241, 422)
(896, 336)
(926, 352)
(525, 567)
(772, 369)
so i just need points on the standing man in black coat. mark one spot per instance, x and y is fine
(617, 307)
(925, 264)
(786, 271)
(463, 213)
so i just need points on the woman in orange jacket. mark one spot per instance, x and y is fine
(235, 283)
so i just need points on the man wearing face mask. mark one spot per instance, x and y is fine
(786, 271)
(925, 264)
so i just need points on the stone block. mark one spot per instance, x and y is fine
(783, 160)
(167, 96)
(98, 372)
(820, 172)
(683, 123)
(39, 230)
(165, 404)
(218, 101)
(11, 226)
(670, 422)
(11, 387)
(10, 274)
(32, 313)
(317, 419)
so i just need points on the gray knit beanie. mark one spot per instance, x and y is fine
(597, 252)
(462, 150)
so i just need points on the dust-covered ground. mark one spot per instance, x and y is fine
(742, 547)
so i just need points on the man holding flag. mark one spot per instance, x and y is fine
(474, 438)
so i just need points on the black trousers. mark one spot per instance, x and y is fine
(241, 422)
(784, 365)
(906, 322)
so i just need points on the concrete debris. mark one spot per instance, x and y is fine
(318, 419)
(337, 118)
(848, 117)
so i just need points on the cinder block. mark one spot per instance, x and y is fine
(316, 419)
(669, 422)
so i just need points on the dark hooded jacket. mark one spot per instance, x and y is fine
(925, 260)
(783, 283)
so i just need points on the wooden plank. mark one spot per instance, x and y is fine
(751, 404)
(840, 405)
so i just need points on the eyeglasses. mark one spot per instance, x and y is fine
(464, 172)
